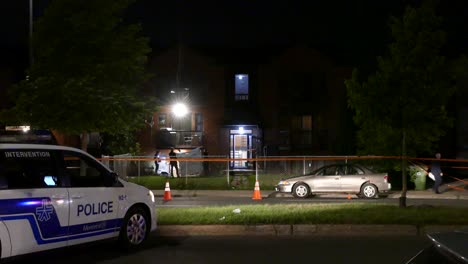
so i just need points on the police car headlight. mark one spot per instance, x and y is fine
(151, 194)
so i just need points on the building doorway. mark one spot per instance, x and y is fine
(240, 148)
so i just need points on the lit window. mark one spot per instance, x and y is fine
(242, 87)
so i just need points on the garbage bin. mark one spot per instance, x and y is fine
(418, 176)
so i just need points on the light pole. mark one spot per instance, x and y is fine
(31, 7)
(178, 111)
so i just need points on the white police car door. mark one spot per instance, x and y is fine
(33, 200)
(94, 203)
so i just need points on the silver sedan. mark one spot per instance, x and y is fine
(337, 178)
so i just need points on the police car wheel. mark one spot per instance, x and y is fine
(135, 228)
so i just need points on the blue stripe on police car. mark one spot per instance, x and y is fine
(45, 225)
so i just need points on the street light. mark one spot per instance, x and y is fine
(179, 110)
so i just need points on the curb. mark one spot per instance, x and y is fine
(301, 230)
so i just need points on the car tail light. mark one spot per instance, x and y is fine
(385, 178)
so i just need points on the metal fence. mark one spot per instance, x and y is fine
(139, 166)
(263, 168)
(280, 166)
(268, 170)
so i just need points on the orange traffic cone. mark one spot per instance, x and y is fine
(256, 194)
(167, 192)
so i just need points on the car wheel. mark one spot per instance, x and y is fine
(301, 190)
(369, 190)
(135, 228)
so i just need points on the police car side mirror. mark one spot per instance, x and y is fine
(113, 179)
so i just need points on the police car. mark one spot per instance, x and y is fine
(54, 196)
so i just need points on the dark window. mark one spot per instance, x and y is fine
(327, 171)
(162, 120)
(303, 122)
(242, 87)
(284, 137)
(302, 130)
(351, 170)
(198, 122)
(85, 172)
(28, 168)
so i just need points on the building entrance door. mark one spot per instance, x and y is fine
(240, 149)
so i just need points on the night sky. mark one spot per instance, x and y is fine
(351, 32)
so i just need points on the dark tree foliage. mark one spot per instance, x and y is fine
(409, 91)
(87, 71)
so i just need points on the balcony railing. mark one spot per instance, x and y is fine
(179, 139)
(242, 97)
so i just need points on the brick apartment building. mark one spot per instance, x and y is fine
(290, 104)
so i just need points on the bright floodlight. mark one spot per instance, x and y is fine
(179, 110)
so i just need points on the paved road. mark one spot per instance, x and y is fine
(243, 250)
(220, 201)
(193, 198)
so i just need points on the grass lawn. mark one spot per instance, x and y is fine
(313, 214)
(267, 182)
(207, 183)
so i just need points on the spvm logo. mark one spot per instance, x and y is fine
(44, 211)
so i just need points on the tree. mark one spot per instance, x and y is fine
(119, 143)
(401, 109)
(87, 71)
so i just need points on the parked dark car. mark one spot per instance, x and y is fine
(446, 247)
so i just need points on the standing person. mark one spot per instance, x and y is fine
(437, 172)
(156, 162)
(173, 163)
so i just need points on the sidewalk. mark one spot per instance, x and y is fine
(447, 193)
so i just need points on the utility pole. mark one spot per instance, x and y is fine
(31, 7)
(403, 170)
